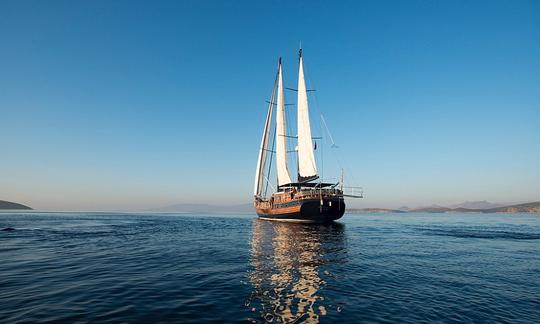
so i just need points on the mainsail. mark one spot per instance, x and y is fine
(307, 169)
(281, 135)
(261, 162)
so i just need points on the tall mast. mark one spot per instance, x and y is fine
(281, 135)
(307, 168)
(261, 161)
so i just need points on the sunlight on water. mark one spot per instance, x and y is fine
(286, 275)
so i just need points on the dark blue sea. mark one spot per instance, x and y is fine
(150, 268)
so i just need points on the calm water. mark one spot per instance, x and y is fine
(196, 268)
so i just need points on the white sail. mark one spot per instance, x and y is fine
(281, 133)
(307, 168)
(261, 162)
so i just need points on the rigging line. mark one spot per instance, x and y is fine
(263, 161)
(271, 158)
(338, 159)
(322, 160)
(345, 167)
(316, 106)
(268, 183)
(307, 90)
(275, 104)
(328, 131)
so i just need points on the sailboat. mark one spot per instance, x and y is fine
(307, 199)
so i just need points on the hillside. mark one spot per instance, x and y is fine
(373, 210)
(483, 204)
(431, 209)
(12, 206)
(533, 207)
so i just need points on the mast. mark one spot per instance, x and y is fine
(261, 161)
(281, 135)
(307, 168)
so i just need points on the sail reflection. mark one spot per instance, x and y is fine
(289, 265)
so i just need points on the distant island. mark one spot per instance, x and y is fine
(533, 207)
(13, 206)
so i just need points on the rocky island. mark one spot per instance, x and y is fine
(8, 205)
(533, 207)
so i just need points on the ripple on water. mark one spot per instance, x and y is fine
(476, 232)
(195, 268)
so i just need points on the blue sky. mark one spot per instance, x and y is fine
(127, 105)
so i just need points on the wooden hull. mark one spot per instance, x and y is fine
(305, 211)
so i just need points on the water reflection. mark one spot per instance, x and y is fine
(290, 264)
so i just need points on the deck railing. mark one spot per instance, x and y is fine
(288, 196)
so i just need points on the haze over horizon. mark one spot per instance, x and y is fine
(137, 105)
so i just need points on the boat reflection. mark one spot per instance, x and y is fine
(290, 264)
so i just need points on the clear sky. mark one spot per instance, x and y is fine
(127, 105)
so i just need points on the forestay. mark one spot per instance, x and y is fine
(261, 162)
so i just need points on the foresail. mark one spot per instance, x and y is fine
(281, 133)
(261, 162)
(307, 168)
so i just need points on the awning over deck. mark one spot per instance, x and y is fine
(308, 185)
